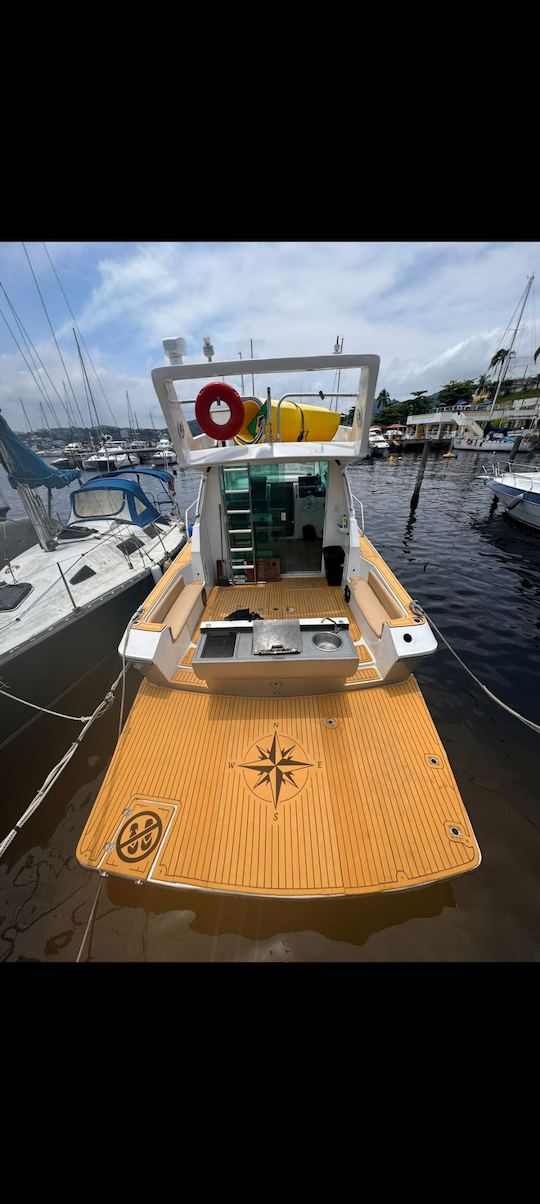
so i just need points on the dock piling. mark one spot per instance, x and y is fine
(420, 477)
(515, 448)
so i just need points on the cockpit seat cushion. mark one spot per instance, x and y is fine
(375, 601)
(174, 608)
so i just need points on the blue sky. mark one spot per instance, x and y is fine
(432, 311)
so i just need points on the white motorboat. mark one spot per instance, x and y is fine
(110, 457)
(377, 442)
(519, 493)
(65, 600)
(279, 745)
(164, 453)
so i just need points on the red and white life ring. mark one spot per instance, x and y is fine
(219, 391)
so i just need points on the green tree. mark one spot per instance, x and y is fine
(455, 391)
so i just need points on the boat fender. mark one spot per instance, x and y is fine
(156, 573)
(219, 391)
(515, 501)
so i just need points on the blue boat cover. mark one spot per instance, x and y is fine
(130, 490)
(29, 468)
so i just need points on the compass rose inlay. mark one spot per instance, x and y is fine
(275, 768)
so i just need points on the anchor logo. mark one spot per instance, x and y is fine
(276, 768)
(139, 836)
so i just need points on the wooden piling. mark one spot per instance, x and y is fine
(515, 448)
(420, 477)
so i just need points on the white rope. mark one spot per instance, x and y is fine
(54, 774)
(45, 710)
(528, 722)
(132, 620)
(90, 921)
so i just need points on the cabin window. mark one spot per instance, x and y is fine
(11, 596)
(130, 545)
(93, 502)
(83, 574)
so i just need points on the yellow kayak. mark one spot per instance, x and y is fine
(319, 425)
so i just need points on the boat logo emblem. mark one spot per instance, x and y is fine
(139, 836)
(275, 768)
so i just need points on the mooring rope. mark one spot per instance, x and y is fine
(45, 710)
(54, 773)
(528, 722)
(90, 921)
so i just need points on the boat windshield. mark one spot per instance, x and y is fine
(103, 502)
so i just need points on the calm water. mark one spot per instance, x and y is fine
(478, 574)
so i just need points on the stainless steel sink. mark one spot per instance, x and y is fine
(327, 641)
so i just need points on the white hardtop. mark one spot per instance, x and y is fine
(198, 451)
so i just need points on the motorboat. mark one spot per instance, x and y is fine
(164, 453)
(519, 493)
(279, 745)
(377, 442)
(394, 435)
(66, 598)
(110, 457)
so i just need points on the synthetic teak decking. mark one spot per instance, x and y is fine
(326, 795)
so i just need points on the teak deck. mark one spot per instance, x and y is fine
(290, 598)
(327, 795)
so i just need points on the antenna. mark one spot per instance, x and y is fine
(174, 350)
(208, 350)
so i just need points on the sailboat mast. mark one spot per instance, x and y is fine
(91, 402)
(130, 419)
(26, 416)
(503, 374)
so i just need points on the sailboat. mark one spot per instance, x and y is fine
(472, 436)
(65, 600)
(279, 745)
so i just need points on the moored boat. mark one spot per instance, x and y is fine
(519, 493)
(279, 745)
(110, 457)
(65, 599)
(164, 453)
(377, 442)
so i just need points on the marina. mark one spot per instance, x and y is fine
(46, 896)
(302, 702)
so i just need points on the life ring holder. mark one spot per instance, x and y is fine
(238, 439)
(219, 391)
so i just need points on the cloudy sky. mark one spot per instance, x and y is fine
(432, 311)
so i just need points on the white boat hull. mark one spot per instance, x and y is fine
(525, 509)
(493, 446)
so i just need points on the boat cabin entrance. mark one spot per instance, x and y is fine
(274, 518)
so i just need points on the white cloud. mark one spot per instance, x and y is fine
(432, 311)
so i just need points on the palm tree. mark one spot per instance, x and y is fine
(499, 358)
